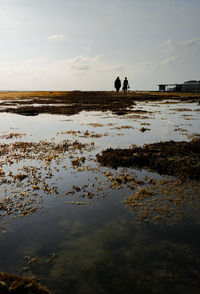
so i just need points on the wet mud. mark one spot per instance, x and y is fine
(180, 159)
(69, 103)
(15, 284)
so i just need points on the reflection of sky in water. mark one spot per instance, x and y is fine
(163, 122)
(101, 241)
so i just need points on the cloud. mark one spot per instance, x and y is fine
(60, 37)
(117, 68)
(79, 72)
(150, 67)
(82, 62)
(80, 67)
(144, 68)
(169, 60)
(40, 66)
(170, 45)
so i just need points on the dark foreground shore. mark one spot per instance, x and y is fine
(69, 103)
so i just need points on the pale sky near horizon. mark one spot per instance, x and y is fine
(86, 44)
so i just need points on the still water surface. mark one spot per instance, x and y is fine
(86, 239)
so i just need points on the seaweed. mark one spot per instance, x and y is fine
(15, 284)
(180, 159)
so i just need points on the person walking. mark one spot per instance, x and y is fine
(117, 84)
(125, 85)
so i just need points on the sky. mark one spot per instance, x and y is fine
(86, 44)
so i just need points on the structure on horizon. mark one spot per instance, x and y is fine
(188, 86)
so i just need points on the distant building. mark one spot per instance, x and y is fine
(189, 86)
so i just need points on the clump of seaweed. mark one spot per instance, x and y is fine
(180, 159)
(11, 283)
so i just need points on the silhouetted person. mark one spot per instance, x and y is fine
(125, 85)
(117, 84)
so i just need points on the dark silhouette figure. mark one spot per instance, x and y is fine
(125, 85)
(117, 84)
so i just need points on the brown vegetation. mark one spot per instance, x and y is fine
(75, 101)
(180, 159)
(15, 284)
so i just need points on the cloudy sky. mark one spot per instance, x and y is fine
(86, 44)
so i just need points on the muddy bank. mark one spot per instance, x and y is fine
(15, 284)
(69, 103)
(180, 159)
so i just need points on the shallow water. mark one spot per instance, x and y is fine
(82, 237)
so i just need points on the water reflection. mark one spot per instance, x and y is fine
(102, 246)
(75, 254)
(121, 258)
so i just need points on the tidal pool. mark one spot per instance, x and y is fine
(65, 220)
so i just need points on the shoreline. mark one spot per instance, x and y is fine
(73, 102)
(4, 94)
